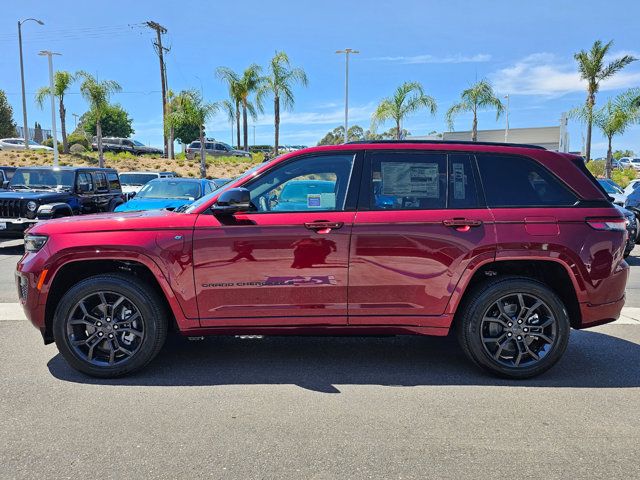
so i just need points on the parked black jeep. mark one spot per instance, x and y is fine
(42, 193)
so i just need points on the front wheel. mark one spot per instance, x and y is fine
(109, 325)
(514, 327)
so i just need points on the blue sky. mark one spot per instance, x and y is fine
(525, 48)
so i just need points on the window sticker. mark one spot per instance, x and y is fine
(459, 180)
(420, 180)
(314, 200)
(328, 201)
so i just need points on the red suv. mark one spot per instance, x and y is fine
(506, 246)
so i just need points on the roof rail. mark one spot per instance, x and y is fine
(449, 142)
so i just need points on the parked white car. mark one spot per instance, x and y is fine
(613, 190)
(626, 162)
(18, 144)
(633, 184)
(132, 182)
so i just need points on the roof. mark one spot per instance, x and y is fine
(68, 169)
(180, 179)
(447, 142)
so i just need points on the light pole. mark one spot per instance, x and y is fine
(24, 101)
(75, 120)
(347, 52)
(506, 130)
(49, 54)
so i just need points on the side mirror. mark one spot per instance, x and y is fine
(5, 184)
(232, 201)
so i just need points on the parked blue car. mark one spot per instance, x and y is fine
(169, 193)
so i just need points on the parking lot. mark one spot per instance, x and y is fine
(323, 408)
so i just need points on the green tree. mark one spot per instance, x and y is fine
(241, 88)
(97, 94)
(477, 97)
(612, 120)
(231, 111)
(181, 126)
(279, 82)
(593, 69)
(195, 111)
(407, 99)
(7, 125)
(115, 122)
(336, 136)
(62, 81)
(232, 79)
(618, 154)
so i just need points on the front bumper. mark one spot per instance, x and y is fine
(15, 227)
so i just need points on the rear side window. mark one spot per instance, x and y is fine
(101, 182)
(513, 181)
(114, 182)
(422, 181)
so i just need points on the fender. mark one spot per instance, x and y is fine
(57, 262)
(472, 268)
(54, 210)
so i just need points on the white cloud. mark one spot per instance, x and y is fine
(418, 59)
(544, 74)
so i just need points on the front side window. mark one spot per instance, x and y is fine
(303, 185)
(514, 181)
(84, 182)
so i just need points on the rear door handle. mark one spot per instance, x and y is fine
(461, 224)
(323, 226)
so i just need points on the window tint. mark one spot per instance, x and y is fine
(512, 181)
(114, 182)
(306, 184)
(85, 179)
(408, 181)
(101, 182)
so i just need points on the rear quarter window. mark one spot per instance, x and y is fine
(516, 181)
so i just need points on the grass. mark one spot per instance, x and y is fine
(217, 167)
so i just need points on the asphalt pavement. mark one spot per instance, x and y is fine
(319, 408)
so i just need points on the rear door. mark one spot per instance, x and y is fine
(102, 196)
(421, 222)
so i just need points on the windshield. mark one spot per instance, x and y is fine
(170, 189)
(139, 144)
(137, 178)
(42, 178)
(608, 187)
(217, 191)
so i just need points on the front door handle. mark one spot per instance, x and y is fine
(323, 226)
(461, 224)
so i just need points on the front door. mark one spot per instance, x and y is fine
(286, 262)
(420, 223)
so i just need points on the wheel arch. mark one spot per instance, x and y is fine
(74, 271)
(553, 273)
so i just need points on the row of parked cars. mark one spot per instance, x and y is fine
(33, 194)
(627, 201)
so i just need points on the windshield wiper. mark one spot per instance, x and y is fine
(18, 186)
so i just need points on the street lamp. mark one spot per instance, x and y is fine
(347, 52)
(24, 101)
(50, 54)
(506, 130)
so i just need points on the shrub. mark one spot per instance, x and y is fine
(596, 167)
(78, 138)
(77, 148)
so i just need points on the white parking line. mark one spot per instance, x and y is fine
(13, 311)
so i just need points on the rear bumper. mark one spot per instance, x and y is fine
(598, 314)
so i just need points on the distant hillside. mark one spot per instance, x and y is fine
(218, 167)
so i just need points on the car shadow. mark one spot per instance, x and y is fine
(322, 364)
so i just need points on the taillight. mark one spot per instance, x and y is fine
(610, 224)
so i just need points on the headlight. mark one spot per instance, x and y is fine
(33, 243)
(32, 206)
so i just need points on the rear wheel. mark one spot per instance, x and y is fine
(109, 325)
(514, 327)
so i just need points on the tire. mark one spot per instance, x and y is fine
(497, 343)
(146, 325)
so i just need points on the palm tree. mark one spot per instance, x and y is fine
(97, 94)
(280, 83)
(61, 82)
(250, 83)
(232, 115)
(477, 97)
(407, 99)
(592, 69)
(612, 119)
(194, 110)
(232, 79)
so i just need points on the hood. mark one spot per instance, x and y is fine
(136, 204)
(43, 196)
(103, 222)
